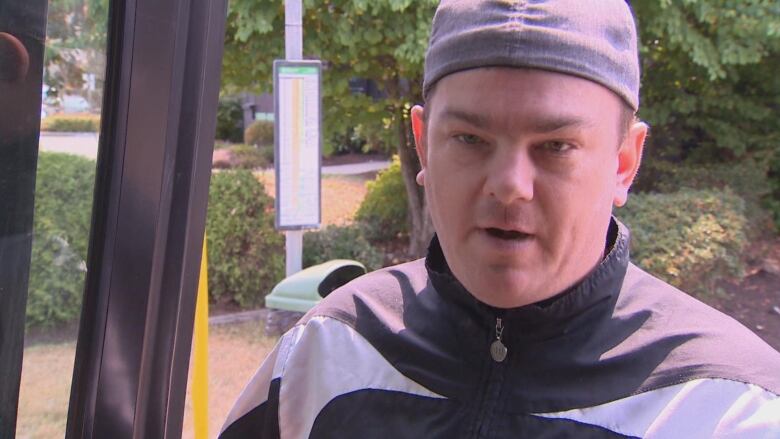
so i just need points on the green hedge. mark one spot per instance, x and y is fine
(340, 242)
(250, 157)
(690, 238)
(260, 133)
(751, 180)
(230, 120)
(71, 123)
(245, 252)
(773, 197)
(63, 206)
(384, 210)
(241, 156)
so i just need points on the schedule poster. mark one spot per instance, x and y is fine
(298, 121)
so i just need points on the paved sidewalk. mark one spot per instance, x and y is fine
(238, 317)
(355, 168)
(86, 145)
(83, 144)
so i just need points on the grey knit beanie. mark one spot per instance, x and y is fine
(593, 39)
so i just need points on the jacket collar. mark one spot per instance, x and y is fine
(592, 298)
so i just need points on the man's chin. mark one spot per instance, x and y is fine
(507, 291)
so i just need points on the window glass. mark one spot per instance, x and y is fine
(71, 95)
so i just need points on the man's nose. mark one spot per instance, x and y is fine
(511, 177)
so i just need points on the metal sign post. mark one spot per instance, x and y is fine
(297, 128)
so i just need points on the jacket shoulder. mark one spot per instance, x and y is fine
(702, 341)
(382, 292)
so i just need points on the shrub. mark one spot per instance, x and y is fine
(248, 157)
(245, 252)
(749, 179)
(221, 144)
(63, 206)
(240, 156)
(260, 133)
(230, 121)
(339, 242)
(349, 142)
(267, 152)
(772, 200)
(690, 238)
(71, 123)
(384, 211)
(745, 178)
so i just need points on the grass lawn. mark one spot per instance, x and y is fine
(235, 353)
(45, 390)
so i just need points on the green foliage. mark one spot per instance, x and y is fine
(260, 133)
(748, 179)
(384, 210)
(267, 153)
(240, 156)
(245, 252)
(350, 143)
(380, 40)
(709, 68)
(75, 45)
(339, 242)
(249, 157)
(230, 120)
(71, 123)
(63, 204)
(77, 23)
(710, 92)
(690, 238)
(709, 77)
(221, 144)
(709, 89)
(773, 198)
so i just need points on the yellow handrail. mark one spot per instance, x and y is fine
(200, 372)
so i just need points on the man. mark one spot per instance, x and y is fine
(526, 318)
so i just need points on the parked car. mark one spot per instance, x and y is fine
(74, 104)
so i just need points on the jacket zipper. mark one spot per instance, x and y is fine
(498, 354)
(497, 349)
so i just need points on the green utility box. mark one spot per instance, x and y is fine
(304, 289)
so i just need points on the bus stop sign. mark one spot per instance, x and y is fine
(297, 138)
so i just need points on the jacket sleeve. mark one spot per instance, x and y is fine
(256, 413)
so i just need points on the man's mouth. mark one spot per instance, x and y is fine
(506, 234)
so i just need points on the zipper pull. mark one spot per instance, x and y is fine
(497, 349)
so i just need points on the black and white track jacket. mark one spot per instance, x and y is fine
(404, 352)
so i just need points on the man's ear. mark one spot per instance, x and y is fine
(418, 127)
(629, 157)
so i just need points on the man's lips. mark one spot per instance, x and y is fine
(506, 234)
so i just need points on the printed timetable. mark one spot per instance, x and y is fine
(298, 144)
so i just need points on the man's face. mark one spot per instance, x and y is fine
(521, 168)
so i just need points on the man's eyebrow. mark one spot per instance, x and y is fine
(540, 125)
(550, 124)
(476, 119)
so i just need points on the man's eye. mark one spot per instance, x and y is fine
(557, 147)
(469, 139)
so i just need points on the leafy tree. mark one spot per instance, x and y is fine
(380, 40)
(710, 74)
(75, 44)
(710, 87)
